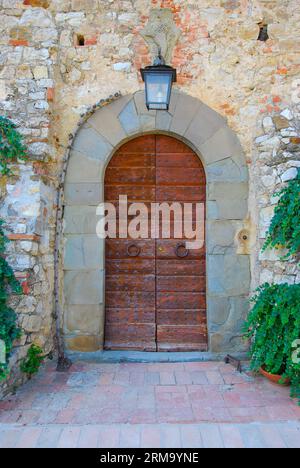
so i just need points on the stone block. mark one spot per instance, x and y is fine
(231, 199)
(239, 309)
(92, 144)
(185, 111)
(173, 101)
(80, 220)
(221, 236)
(228, 275)
(223, 144)
(204, 125)
(89, 194)
(163, 120)
(84, 343)
(147, 123)
(84, 287)
(84, 319)
(82, 169)
(218, 309)
(227, 343)
(83, 252)
(129, 119)
(32, 323)
(226, 170)
(117, 106)
(104, 121)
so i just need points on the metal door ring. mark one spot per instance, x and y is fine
(181, 250)
(133, 250)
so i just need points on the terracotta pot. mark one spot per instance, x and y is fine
(274, 378)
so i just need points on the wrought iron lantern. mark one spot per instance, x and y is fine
(158, 79)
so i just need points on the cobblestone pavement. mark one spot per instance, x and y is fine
(204, 404)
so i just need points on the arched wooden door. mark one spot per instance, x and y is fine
(155, 295)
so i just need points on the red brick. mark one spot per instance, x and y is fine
(167, 378)
(183, 378)
(214, 378)
(27, 237)
(199, 377)
(281, 413)
(106, 378)
(18, 42)
(171, 389)
(50, 94)
(65, 416)
(90, 41)
(249, 414)
(143, 416)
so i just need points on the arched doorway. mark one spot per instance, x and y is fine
(227, 253)
(155, 294)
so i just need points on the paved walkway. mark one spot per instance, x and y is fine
(204, 404)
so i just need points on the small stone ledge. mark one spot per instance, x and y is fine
(144, 357)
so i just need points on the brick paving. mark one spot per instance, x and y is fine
(192, 404)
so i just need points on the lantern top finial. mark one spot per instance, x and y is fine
(159, 60)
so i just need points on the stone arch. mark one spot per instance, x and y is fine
(228, 262)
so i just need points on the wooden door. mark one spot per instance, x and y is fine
(155, 295)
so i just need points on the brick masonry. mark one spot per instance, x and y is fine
(48, 81)
(165, 405)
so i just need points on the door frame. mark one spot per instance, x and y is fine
(186, 151)
(227, 255)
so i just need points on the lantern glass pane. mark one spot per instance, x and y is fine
(158, 90)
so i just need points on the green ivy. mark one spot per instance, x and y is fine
(9, 330)
(274, 326)
(31, 364)
(11, 145)
(284, 230)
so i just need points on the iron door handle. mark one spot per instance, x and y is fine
(181, 251)
(133, 250)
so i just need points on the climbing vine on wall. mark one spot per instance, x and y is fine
(11, 145)
(9, 331)
(284, 230)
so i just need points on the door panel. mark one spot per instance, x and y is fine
(181, 283)
(166, 248)
(181, 267)
(180, 274)
(130, 264)
(178, 176)
(155, 289)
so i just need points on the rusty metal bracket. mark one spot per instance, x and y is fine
(234, 362)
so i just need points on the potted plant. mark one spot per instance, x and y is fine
(273, 326)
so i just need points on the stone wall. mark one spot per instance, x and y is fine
(59, 57)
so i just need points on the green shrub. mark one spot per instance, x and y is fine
(274, 326)
(9, 331)
(31, 364)
(11, 145)
(284, 230)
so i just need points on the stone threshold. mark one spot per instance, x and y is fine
(142, 356)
